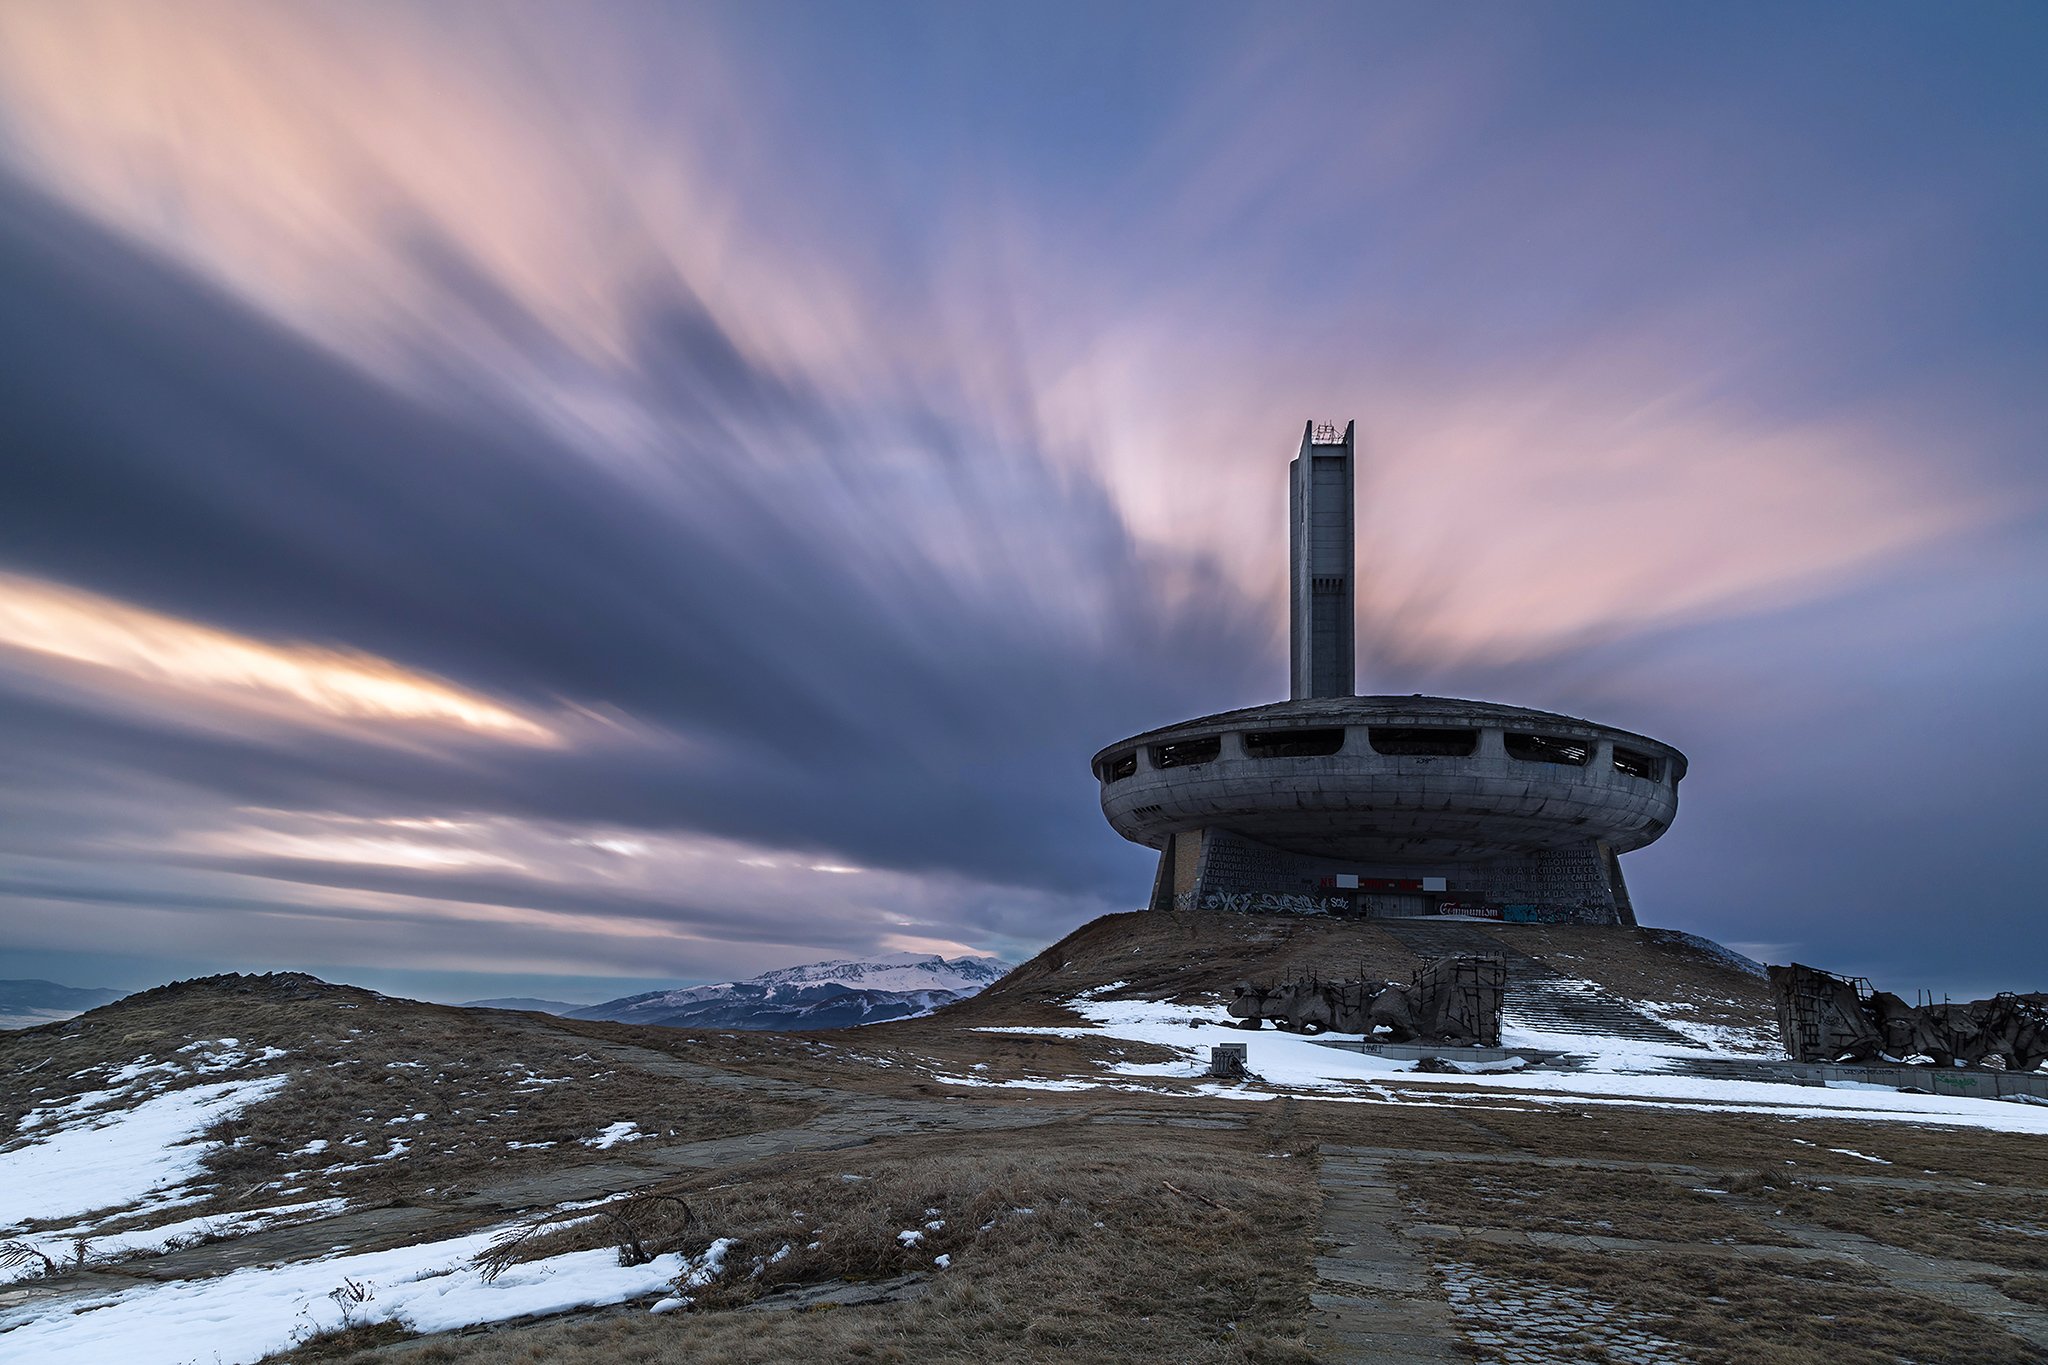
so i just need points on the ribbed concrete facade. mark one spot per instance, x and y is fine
(1334, 803)
(1322, 556)
(1393, 806)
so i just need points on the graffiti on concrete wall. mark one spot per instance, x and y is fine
(1555, 882)
(1554, 914)
(1284, 903)
(1262, 902)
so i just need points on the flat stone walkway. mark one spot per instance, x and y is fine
(1956, 1282)
(1377, 1296)
(1374, 1299)
(1584, 1241)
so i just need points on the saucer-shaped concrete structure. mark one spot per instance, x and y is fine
(1403, 806)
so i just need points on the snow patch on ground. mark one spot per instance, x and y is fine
(74, 1163)
(101, 1247)
(697, 1272)
(1026, 1083)
(616, 1134)
(1756, 1041)
(1618, 1071)
(247, 1314)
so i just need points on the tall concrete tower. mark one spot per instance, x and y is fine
(1322, 554)
(1337, 804)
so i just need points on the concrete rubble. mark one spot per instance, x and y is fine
(1455, 1001)
(1827, 1018)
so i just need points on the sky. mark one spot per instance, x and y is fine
(556, 500)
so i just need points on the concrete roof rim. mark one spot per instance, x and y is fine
(1356, 710)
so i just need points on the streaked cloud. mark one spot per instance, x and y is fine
(488, 181)
(430, 187)
(81, 627)
(503, 892)
(641, 486)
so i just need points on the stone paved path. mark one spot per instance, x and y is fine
(1377, 1296)
(1375, 1299)
(1960, 1283)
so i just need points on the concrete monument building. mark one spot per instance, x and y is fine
(1394, 806)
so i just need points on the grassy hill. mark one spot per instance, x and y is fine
(209, 1167)
(1192, 957)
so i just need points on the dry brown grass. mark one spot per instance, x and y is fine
(361, 1067)
(342, 1344)
(1969, 1156)
(1533, 1198)
(1642, 964)
(1213, 1269)
(1798, 1148)
(1175, 956)
(1738, 1311)
(2031, 1289)
(1079, 1241)
(478, 1100)
(1187, 956)
(1004, 1056)
(2005, 1228)
(1741, 1308)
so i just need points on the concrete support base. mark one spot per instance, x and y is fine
(1218, 869)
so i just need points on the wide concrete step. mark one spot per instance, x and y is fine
(1541, 999)
(1538, 996)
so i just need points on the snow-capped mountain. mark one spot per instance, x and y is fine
(817, 995)
(903, 972)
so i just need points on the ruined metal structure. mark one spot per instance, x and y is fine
(1827, 1018)
(1454, 1001)
(1330, 803)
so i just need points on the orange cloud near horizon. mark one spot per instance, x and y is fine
(295, 680)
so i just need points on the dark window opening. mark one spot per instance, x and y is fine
(1637, 764)
(1186, 753)
(1423, 741)
(1148, 812)
(1117, 767)
(1654, 828)
(1548, 749)
(1326, 587)
(1293, 743)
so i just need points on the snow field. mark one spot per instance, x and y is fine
(73, 1164)
(247, 1314)
(1617, 1071)
(128, 1152)
(101, 1247)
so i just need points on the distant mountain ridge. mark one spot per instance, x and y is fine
(25, 1004)
(816, 995)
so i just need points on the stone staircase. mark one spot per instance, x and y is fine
(1538, 996)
